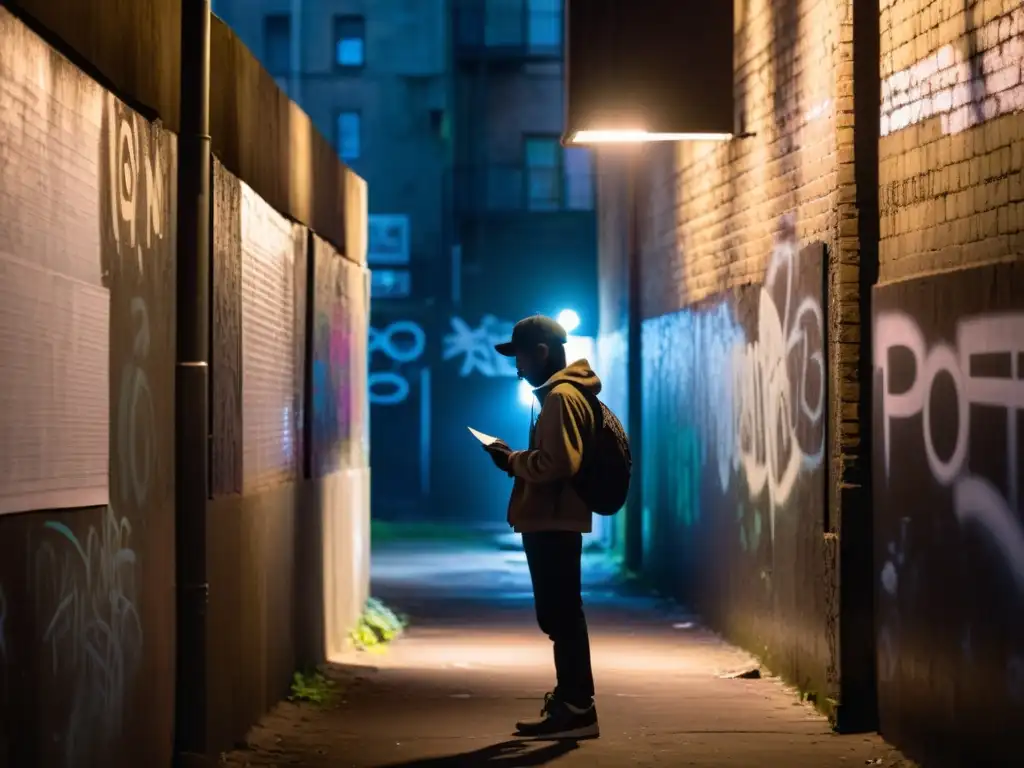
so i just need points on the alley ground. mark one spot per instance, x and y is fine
(449, 691)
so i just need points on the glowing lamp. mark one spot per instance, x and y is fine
(638, 71)
(569, 320)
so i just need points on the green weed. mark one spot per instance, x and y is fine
(312, 687)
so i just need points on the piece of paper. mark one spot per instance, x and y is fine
(485, 439)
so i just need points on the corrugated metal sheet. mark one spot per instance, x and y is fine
(54, 310)
(270, 384)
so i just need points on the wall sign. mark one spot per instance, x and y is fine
(388, 239)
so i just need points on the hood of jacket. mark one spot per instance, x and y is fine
(578, 373)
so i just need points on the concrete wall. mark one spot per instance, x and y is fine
(289, 524)
(746, 437)
(949, 530)
(87, 251)
(87, 623)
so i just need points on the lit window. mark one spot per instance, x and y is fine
(544, 24)
(277, 43)
(349, 135)
(349, 41)
(578, 165)
(543, 174)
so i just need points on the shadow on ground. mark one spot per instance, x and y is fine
(516, 753)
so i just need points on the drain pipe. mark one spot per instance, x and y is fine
(191, 406)
(634, 533)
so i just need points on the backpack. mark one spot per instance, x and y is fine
(603, 479)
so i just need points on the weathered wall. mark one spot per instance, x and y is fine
(949, 552)
(950, 151)
(87, 570)
(86, 596)
(134, 49)
(289, 525)
(721, 227)
(949, 543)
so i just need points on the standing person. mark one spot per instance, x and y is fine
(552, 518)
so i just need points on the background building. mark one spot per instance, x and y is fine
(452, 112)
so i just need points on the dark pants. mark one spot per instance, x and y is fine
(554, 560)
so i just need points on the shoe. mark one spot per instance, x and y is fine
(559, 720)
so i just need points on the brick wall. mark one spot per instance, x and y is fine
(948, 524)
(713, 218)
(951, 190)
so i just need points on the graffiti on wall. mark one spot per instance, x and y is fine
(137, 182)
(758, 395)
(93, 633)
(976, 500)
(475, 347)
(400, 343)
(85, 567)
(949, 400)
(734, 433)
(339, 363)
(961, 87)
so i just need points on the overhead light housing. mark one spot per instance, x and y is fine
(638, 71)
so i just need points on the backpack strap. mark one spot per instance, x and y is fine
(598, 412)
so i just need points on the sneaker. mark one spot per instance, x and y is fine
(559, 720)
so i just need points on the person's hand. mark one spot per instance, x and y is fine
(500, 454)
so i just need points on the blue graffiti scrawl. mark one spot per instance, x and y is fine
(86, 604)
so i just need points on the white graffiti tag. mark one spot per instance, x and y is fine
(476, 347)
(993, 337)
(779, 383)
(134, 159)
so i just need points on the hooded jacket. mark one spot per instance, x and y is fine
(543, 498)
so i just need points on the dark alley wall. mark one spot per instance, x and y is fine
(735, 435)
(950, 539)
(87, 256)
(949, 523)
(289, 520)
(87, 560)
(745, 437)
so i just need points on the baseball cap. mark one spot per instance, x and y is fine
(532, 331)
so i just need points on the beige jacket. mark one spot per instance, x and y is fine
(543, 498)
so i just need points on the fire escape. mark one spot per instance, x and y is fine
(494, 40)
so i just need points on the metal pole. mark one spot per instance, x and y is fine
(192, 381)
(634, 503)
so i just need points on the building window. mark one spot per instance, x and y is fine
(544, 24)
(277, 43)
(578, 167)
(543, 173)
(503, 23)
(558, 178)
(349, 42)
(348, 138)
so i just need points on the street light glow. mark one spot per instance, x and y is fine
(569, 320)
(526, 396)
(640, 137)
